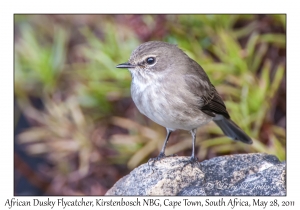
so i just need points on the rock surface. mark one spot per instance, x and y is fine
(245, 174)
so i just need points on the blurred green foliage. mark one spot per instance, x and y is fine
(88, 121)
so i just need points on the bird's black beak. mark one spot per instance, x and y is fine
(125, 65)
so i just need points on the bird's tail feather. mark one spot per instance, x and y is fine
(231, 130)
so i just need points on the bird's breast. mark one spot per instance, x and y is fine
(168, 103)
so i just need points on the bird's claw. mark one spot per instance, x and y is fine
(159, 157)
(192, 160)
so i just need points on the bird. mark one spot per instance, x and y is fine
(174, 91)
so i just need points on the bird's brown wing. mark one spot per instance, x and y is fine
(213, 104)
(210, 102)
(199, 84)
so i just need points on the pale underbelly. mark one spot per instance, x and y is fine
(169, 106)
(170, 114)
(183, 122)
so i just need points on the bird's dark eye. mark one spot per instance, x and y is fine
(150, 60)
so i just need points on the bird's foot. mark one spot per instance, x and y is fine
(192, 160)
(159, 157)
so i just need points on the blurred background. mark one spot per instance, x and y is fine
(77, 130)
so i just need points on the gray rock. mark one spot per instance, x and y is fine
(245, 174)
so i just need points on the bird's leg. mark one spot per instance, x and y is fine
(193, 159)
(162, 152)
